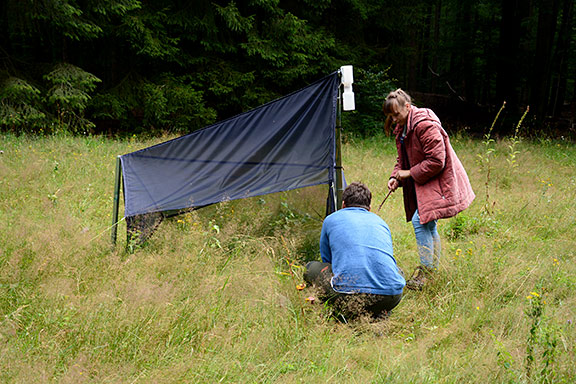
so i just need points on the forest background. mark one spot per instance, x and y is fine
(130, 66)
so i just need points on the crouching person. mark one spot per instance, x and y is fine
(358, 274)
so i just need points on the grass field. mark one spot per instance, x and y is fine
(212, 296)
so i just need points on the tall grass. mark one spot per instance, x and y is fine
(212, 296)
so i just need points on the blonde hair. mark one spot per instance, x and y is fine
(398, 98)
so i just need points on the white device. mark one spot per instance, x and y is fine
(347, 78)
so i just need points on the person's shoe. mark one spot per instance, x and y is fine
(421, 276)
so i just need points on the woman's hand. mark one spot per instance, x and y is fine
(393, 184)
(403, 174)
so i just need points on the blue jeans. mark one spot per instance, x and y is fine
(428, 242)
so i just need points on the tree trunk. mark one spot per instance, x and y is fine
(468, 25)
(561, 59)
(542, 68)
(508, 77)
(435, 47)
(412, 57)
(426, 48)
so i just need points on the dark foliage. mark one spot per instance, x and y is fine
(128, 66)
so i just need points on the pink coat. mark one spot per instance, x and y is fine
(441, 183)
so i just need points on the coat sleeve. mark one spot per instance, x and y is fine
(434, 151)
(397, 167)
(325, 251)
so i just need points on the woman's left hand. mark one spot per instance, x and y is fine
(403, 174)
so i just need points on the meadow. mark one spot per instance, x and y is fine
(212, 296)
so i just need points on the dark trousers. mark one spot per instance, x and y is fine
(349, 305)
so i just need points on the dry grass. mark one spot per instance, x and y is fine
(211, 297)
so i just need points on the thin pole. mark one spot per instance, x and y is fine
(339, 187)
(116, 202)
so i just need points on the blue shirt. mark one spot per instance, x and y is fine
(358, 244)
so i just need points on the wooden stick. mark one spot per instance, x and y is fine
(381, 204)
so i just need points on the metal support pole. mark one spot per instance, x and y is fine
(116, 202)
(339, 187)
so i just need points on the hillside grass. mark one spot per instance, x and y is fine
(212, 296)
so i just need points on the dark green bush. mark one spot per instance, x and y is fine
(370, 88)
(20, 107)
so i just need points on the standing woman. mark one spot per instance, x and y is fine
(434, 182)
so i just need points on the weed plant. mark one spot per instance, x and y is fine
(485, 159)
(212, 296)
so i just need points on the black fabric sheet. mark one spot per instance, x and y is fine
(282, 145)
